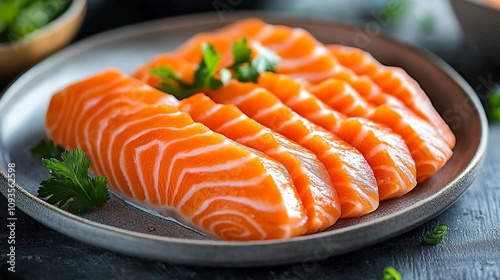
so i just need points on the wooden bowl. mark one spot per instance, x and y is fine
(20, 55)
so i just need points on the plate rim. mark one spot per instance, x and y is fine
(173, 23)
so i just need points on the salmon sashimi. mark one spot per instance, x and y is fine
(351, 175)
(429, 151)
(309, 175)
(302, 57)
(394, 81)
(385, 151)
(156, 156)
(366, 90)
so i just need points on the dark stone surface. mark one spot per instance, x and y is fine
(471, 249)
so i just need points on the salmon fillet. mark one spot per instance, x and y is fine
(351, 175)
(394, 81)
(156, 156)
(304, 58)
(309, 175)
(385, 151)
(429, 151)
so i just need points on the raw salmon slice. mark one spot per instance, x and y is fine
(394, 81)
(429, 151)
(385, 151)
(351, 175)
(309, 175)
(158, 157)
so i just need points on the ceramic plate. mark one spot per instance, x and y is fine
(123, 228)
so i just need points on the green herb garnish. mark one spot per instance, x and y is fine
(70, 183)
(47, 149)
(390, 273)
(246, 73)
(203, 77)
(241, 53)
(247, 70)
(243, 68)
(393, 15)
(428, 23)
(494, 104)
(436, 236)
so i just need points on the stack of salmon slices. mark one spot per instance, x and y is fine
(328, 135)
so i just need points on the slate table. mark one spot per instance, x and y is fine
(471, 249)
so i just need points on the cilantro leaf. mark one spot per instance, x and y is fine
(47, 149)
(241, 52)
(210, 60)
(166, 73)
(436, 236)
(171, 83)
(70, 183)
(246, 73)
(214, 83)
(390, 273)
(179, 93)
(247, 70)
(204, 76)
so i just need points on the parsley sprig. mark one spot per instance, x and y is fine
(436, 236)
(70, 182)
(204, 75)
(247, 70)
(47, 149)
(243, 68)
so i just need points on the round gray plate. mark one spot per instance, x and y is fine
(123, 228)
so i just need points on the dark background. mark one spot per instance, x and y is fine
(471, 249)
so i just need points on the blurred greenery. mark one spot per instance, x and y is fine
(395, 12)
(19, 18)
(494, 104)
